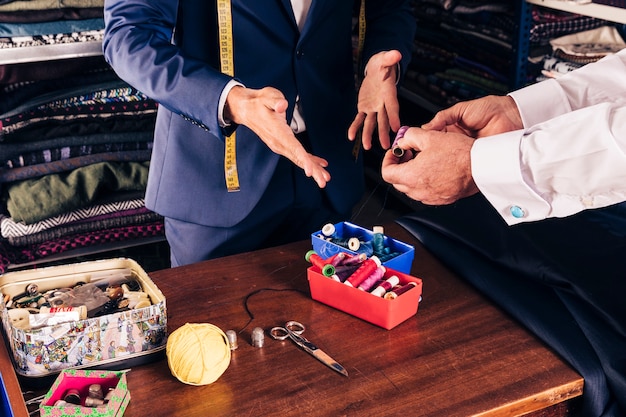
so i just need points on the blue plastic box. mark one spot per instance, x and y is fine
(324, 248)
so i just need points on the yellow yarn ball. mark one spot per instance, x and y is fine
(197, 353)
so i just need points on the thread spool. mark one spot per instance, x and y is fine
(336, 259)
(197, 353)
(385, 257)
(342, 272)
(80, 310)
(354, 244)
(378, 240)
(72, 396)
(396, 292)
(385, 286)
(374, 278)
(365, 248)
(326, 268)
(365, 270)
(395, 149)
(328, 230)
(354, 259)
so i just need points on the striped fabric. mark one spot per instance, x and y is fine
(11, 228)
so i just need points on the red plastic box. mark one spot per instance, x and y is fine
(377, 310)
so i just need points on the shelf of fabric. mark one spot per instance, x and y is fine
(42, 53)
(599, 11)
(465, 51)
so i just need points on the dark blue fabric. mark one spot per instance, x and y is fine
(564, 279)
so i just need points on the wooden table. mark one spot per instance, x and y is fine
(459, 356)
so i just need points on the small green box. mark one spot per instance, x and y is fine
(81, 380)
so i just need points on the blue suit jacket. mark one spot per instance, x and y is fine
(168, 50)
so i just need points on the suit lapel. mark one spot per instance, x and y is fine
(289, 11)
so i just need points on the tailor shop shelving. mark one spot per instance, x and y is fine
(518, 74)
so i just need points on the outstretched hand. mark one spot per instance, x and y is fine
(264, 112)
(378, 100)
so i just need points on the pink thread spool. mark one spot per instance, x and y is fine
(326, 268)
(373, 279)
(365, 270)
(395, 149)
(354, 259)
(386, 285)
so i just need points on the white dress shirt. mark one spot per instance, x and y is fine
(571, 154)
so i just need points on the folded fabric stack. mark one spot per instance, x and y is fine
(561, 42)
(463, 49)
(75, 140)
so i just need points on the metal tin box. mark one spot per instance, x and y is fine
(109, 341)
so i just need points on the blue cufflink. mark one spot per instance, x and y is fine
(517, 212)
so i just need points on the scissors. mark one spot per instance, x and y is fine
(294, 330)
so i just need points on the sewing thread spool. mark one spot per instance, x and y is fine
(385, 286)
(386, 256)
(365, 248)
(328, 230)
(378, 240)
(354, 259)
(342, 272)
(396, 292)
(365, 270)
(354, 244)
(327, 269)
(375, 277)
(336, 259)
(72, 396)
(395, 149)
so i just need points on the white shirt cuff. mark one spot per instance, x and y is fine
(222, 102)
(540, 102)
(496, 171)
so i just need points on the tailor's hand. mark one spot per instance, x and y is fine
(378, 100)
(264, 112)
(435, 168)
(486, 116)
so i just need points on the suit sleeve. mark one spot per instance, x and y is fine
(138, 45)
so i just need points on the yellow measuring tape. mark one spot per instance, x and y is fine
(227, 66)
(361, 41)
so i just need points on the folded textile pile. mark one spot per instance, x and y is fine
(75, 140)
(463, 49)
(561, 42)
